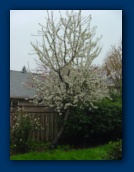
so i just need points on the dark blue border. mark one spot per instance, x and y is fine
(128, 86)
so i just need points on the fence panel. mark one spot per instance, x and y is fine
(48, 119)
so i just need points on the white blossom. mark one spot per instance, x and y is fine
(67, 51)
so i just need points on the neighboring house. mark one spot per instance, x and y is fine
(109, 82)
(111, 85)
(18, 91)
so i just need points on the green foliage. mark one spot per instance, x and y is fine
(39, 146)
(24, 124)
(115, 153)
(95, 126)
(116, 96)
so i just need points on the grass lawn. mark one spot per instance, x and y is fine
(96, 153)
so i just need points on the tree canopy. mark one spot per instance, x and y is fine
(68, 48)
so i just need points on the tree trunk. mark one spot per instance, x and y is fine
(58, 136)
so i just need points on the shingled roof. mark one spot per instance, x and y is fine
(17, 89)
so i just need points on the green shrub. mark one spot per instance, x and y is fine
(39, 146)
(115, 152)
(24, 124)
(96, 125)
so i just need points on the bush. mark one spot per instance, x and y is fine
(39, 146)
(88, 127)
(24, 124)
(116, 151)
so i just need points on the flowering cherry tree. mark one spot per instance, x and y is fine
(68, 48)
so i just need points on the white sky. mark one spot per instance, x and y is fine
(24, 23)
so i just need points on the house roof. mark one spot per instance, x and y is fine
(17, 88)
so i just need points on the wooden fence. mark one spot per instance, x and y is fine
(48, 120)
